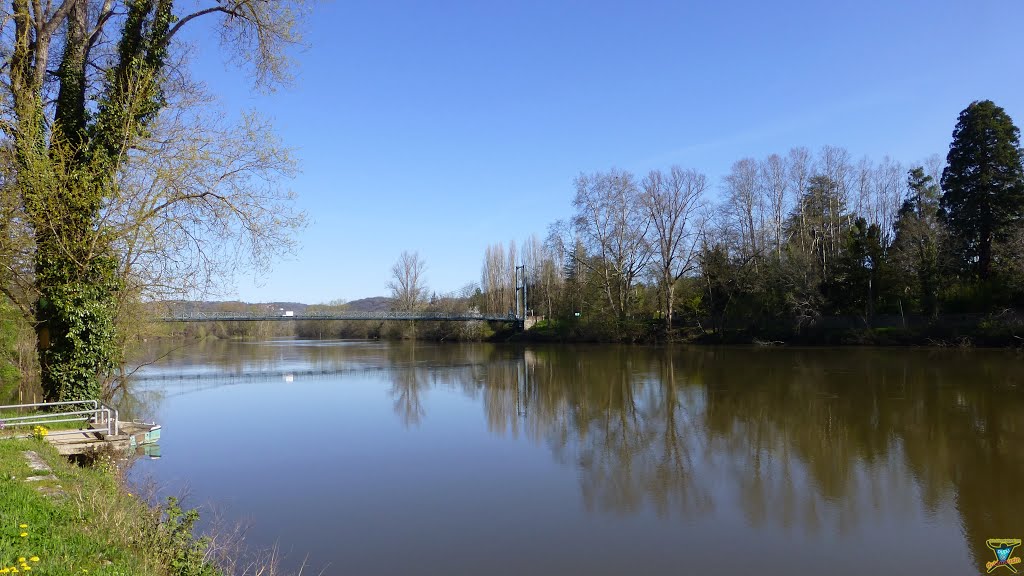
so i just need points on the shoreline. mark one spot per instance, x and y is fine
(68, 518)
(935, 335)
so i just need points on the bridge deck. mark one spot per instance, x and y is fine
(433, 316)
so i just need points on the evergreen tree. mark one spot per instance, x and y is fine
(983, 185)
(855, 286)
(719, 283)
(915, 250)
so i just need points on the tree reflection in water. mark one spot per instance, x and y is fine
(805, 440)
(808, 440)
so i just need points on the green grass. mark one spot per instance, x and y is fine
(94, 525)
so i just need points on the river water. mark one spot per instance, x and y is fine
(368, 458)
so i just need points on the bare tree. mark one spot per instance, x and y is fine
(834, 164)
(544, 274)
(889, 191)
(612, 223)
(509, 277)
(800, 168)
(744, 206)
(408, 285)
(493, 277)
(864, 203)
(559, 244)
(199, 200)
(879, 192)
(933, 166)
(673, 201)
(775, 180)
(497, 277)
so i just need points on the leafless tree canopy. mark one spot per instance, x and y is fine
(497, 277)
(780, 222)
(408, 284)
(674, 202)
(201, 201)
(612, 223)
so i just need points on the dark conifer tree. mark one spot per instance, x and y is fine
(983, 185)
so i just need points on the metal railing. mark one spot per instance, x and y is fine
(92, 412)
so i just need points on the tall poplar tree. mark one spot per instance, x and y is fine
(983, 185)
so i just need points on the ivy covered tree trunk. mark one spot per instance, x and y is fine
(65, 179)
(76, 277)
(75, 317)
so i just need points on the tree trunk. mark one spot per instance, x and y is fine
(670, 296)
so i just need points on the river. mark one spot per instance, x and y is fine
(365, 458)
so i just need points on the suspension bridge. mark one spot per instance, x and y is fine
(371, 316)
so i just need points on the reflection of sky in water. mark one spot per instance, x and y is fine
(438, 460)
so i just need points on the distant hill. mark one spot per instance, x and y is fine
(219, 306)
(296, 307)
(372, 304)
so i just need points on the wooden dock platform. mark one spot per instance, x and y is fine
(95, 420)
(131, 435)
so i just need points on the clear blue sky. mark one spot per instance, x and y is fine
(441, 127)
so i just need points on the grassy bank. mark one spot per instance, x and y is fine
(82, 520)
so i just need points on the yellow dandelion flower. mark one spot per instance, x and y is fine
(23, 534)
(22, 559)
(22, 525)
(34, 559)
